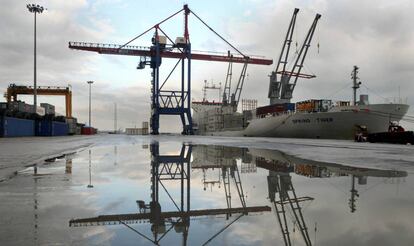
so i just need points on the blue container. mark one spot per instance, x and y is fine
(290, 106)
(51, 128)
(60, 128)
(15, 127)
(43, 128)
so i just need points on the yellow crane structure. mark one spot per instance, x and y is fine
(13, 90)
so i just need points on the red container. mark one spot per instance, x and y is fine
(274, 108)
(88, 131)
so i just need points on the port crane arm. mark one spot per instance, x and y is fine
(129, 50)
(297, 67)
(227, 85)
(235, 97)
(286, 45)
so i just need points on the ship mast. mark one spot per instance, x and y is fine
(355, 81)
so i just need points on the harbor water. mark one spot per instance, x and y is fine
(174, 190)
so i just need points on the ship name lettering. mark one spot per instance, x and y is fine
(323, 120)
(301, 121)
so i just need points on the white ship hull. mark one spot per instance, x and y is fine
(338, 123)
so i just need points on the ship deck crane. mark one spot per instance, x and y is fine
(284, 198)
(170, 102)
(280, 88)
(13, 90)
(229, 98)
(281, 184)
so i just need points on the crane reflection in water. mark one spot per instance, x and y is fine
(227, 165)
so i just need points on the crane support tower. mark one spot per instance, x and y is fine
(280, 88)
(13, 90)
(170, 102)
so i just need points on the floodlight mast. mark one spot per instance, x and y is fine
(36, 9)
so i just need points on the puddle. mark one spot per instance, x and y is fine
(173, 193)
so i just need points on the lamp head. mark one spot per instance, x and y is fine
(35, 8)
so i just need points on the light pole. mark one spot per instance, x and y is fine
(90, 172)
(36, 9)
(90, 86)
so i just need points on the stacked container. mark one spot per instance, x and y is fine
(275, 108)
(72, 123)
(15, 127)
(51, 128)
(49, 108)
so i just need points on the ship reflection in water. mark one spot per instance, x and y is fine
(225, 168)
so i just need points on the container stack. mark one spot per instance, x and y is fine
(214, 119)
(314, 105)
(138, 131)
(49, 108)
(19, 119)
(275, 109)
(72, 125)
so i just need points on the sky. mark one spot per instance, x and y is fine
(378, 36)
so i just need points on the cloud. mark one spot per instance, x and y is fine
(375, 35)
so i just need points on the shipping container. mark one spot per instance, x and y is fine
(72, 123)
(59, 128)
(40, 111)
(275, 108)
(49, 108)
(78, 129)
(43, 127)
(15, 127)
(51, 128)
(86, 130)
(343, 103)
(290, 107)
(145, 124)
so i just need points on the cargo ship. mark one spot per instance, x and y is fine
(340, 121)
(315, 118)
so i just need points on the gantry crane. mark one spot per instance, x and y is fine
(280, 88)
(13, 90)
(170, 102)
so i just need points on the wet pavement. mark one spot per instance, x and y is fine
(176, 190)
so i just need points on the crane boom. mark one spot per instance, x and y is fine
(114, 49)
(280, 90)
(303, 51)
(235, 97)
(288, 40)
